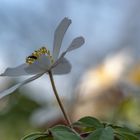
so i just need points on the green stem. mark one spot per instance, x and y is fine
(58, 99)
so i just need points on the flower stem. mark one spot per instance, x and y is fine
(58, 99)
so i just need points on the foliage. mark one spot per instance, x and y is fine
(14, 117)
(87, 128)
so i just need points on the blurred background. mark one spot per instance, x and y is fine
(105, 77)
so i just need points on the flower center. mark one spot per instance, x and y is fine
(37, 53)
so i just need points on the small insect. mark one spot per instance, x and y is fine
(37, 53)
(32, 57)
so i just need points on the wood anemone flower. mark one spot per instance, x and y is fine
(42, 61)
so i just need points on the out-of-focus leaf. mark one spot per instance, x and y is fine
(35, 136)
(89, 122)
(118, 137)
(61, 132)
(138, 134)
(126, 133)
(45, 138)
(16, 114)
(101, 134)
(129, 112)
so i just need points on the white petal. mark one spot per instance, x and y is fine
(63, 66)
(15, 87)
(76, 43)
(17, 71)
(39, 66)
(44, 62)
(59, 35)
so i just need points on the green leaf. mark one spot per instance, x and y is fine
(126, 133)
(101, 134)
(118, 137)
(45, 138)
(35, 136)
(138, 134)
(89, 122)
(61, 132)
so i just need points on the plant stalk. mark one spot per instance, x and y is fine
(58, 99)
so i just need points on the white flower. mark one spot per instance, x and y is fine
(42, 61)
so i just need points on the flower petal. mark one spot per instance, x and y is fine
(76, 43)
(63, 66)
(17, 71)
(15, 87)
(39, 66)
(59, 35)
(44, 61)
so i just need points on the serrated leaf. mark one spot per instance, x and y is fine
(126, 133)
(61, 132)
(101, 134)
(89, 122)
(35, 136)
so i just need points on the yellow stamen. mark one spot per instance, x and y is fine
(29, 60)
(36, 54)
(43, 50)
